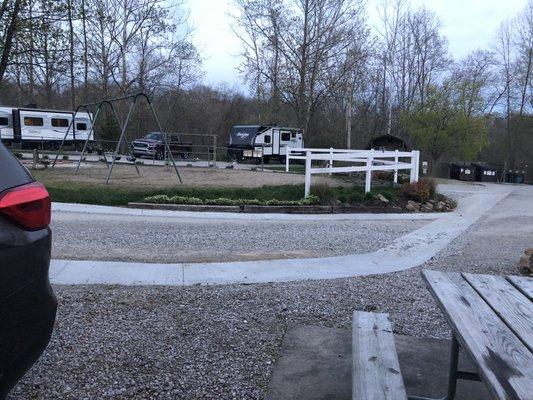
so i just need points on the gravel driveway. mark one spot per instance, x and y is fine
(153, 239)
(221, 342)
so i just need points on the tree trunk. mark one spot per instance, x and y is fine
(71, 54)
(8, 43)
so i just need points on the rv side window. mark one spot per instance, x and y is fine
(81, 126)
(267, 138)
(33, 121)
(4, 121)
(285, 136)
(60, 123)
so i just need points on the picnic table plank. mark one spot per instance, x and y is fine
(504, 362)
(524, 284)
(376, 370)
(515, 309)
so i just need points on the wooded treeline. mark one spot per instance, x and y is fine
(316, 64)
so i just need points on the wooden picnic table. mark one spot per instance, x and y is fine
(491, 318)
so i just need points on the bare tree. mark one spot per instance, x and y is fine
(9, 18)
(295, 48)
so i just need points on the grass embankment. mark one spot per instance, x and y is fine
(117, 196)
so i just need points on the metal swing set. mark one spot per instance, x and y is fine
(122, 126)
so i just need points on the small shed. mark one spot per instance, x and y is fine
(389, 143)
(486, 172)
(462, 172)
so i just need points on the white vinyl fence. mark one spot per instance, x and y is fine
(362, 161)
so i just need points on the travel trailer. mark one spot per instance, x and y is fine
(269, 141)
(32, 127)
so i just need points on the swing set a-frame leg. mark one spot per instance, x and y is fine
(164, 137)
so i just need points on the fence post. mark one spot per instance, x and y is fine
(287, 158)
(368, 177)
(262, 157)
(214, 151)
(413, 166)
(307, 173)
(417, 169)
(396, 164)
(330, 164)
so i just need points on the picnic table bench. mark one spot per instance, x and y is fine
(491, 318)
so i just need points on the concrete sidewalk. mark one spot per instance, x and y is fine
(405, 252)
(316, 364)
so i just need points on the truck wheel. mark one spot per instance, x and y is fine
(159, 155)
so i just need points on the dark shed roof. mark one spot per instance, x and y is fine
(389, 142)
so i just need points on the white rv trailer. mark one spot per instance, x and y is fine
(269, 141)
(32, 127)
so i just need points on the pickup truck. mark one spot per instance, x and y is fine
(152, 145)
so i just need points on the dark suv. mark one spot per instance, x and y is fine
(153, 146)
(27, 302)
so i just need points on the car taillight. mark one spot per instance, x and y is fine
(27, 206)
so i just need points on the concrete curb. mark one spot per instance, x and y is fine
(224, 215)
(255, 209)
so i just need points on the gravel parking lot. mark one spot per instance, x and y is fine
(127, 238)
(221, 342)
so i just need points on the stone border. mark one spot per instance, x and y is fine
(271, 209)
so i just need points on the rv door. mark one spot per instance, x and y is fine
(275, 142)
(285, 141)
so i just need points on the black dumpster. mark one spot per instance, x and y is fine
(515, 176)
(462, 172)
(485, 172)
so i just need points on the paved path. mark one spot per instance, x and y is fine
(405, 252)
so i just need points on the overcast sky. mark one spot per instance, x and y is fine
(468, 25)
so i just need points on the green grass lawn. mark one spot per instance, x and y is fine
(117, 196)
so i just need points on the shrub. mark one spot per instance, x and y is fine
(342, 198)
(310, 200)
(354, 198)
(186, 200)
(65, 158)
(158, 199)
(383, 175)
(18, 155)
(252, 202)
(45, 157)
(421, 191)
(222, 201)
(273, 202)
(323, 192)
(431, 183)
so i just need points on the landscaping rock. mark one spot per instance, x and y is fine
(412, 206)
(428, 207)
(440, 206)
(382, 198)
(526, 262)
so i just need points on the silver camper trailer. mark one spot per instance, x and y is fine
(33, 127)
(255, 141)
